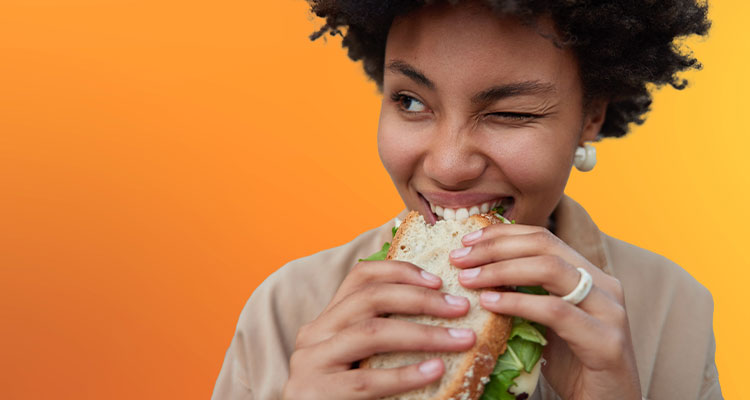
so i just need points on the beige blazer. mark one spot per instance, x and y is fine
(670, 314)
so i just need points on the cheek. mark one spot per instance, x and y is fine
(398, 147)
(538, 162)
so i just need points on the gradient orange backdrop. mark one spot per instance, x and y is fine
(159, 159)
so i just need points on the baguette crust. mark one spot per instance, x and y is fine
(474, 370)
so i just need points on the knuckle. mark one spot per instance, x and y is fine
(404, 377)
(545, 238)
(370, 326)
(361, 383)
(362, 271)
(617, 290)
(485, 245)
(554, 265)
(423, 299)
(297, 359)
(370, 293)
(619, 316)
(615, 347)
(558, 307)
(302, 335)
(431, 334)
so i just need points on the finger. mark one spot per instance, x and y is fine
(380, 335)
(365, 272)
(550, 272)
(588, 337)
(499, 248)
(507, 247)
(497, 230)
(367, 383)
(384, 298)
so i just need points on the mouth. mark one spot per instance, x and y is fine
(434, 212)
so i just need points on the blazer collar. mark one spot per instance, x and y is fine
(576, 228)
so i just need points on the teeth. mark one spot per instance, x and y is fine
(460, 214)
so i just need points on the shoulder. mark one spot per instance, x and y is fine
(318, 276)
(256, 363)
(650, 274)
(297, 292)
(670, 316)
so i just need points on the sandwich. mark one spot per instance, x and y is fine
(505, 361)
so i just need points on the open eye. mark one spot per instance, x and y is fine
(407, 103)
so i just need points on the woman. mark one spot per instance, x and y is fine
(487, 102)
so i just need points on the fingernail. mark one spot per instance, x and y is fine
(490, 297)
(455, 300)
(429, 367)
(472, 236)
(459, 333)
(429, 277)
(458, 253)
(470, 273)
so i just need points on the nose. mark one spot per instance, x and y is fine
(453, 161)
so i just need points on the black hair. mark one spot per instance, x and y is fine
(623, 47)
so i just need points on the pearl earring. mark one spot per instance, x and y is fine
(585, 158)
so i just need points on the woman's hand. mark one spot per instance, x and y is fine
(352, 328)
(590, 353)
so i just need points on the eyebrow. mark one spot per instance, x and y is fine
(495, 93)
(417, 76)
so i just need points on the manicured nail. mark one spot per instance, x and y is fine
(490, 297)
(470, 273)
(472, 236)
(458, 253)
(429, 367)
(459, 333)
(429, 277)
(456, 300)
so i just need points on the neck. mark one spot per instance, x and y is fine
(552, 223)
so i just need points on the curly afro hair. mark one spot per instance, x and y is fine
(623, 47)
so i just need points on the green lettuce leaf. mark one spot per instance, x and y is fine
(499, 210)
(497, 387)
(523, 351)
(507, 361)
(527, 352)
(527, 332)
(531, 290)
(380, 255)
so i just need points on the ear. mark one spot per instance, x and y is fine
(593, 120)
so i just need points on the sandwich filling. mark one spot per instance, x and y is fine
(517, 370)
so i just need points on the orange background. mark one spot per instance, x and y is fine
(159, 159)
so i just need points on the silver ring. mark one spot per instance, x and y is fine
(582, 289)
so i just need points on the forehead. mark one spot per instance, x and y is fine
(467, 45)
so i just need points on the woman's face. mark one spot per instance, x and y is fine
(479, 109)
